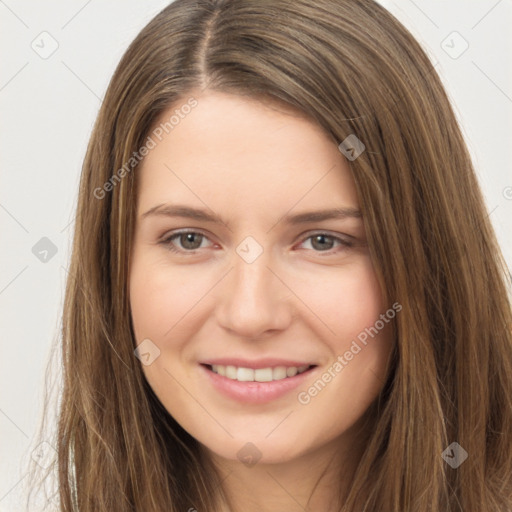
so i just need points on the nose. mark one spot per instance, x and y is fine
(254, 302)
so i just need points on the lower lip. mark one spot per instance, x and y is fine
(255, 392)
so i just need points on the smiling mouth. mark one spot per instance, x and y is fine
(269, 374)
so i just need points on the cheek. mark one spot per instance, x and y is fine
(160, 296)
(346, 300)
(349, 303)
(161, 302)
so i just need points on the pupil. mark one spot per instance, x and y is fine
(188, 240)
(322, 239)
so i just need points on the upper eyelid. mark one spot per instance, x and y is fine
(183, 231)
(170, 234)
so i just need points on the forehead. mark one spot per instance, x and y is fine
(242, 153)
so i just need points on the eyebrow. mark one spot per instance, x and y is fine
(167, 210)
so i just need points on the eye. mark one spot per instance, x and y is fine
(188, 241)
(323, 242)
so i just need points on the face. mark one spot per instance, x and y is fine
(251, 286)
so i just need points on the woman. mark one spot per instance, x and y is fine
(285, 293)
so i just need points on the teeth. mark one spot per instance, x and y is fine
(245, 374)
(260, 375)
(280, 372)
(290, 372)
(263, 374)
(231, 372)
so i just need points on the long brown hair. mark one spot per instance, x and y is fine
(350, 66)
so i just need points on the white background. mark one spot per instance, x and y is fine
(48, 107)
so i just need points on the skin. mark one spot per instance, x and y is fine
(252, 164)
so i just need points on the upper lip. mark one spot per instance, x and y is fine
(268, 362)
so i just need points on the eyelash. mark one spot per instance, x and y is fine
(167, 241)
